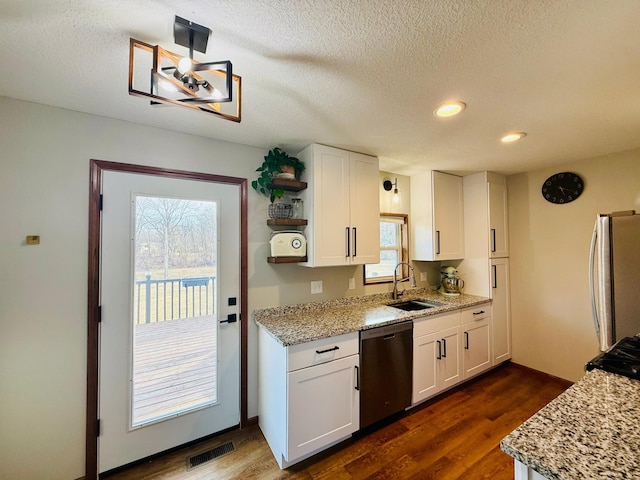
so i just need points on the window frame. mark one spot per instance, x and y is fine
(403, 250)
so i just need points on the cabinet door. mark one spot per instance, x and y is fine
(448, 216)
(425, 353)
(501, 320)
(364, 209)
(331, 228)
(477, 347)
(323, 405)
(498, 235)
(450, 370)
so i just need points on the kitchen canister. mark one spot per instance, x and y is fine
(297, 207)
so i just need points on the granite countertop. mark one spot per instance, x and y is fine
(591, 431)
(294, 324)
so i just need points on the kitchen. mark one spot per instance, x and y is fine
(552, 326)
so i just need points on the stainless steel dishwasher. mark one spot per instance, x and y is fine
(386, 366)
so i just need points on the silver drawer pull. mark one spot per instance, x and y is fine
(319, 352)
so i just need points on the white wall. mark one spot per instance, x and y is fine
(44, 185)
(549, 247)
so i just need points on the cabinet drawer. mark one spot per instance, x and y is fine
(474, 314)
(432, 324)
(321, 351)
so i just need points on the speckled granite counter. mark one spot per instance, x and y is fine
(294, 324)
(591, 431)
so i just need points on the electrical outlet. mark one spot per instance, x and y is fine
(316, 286)
(352, 284)
(423, 276)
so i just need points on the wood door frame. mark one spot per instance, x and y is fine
(97, 167)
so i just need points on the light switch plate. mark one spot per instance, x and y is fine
(423, 276)
(316, 286)
(352, 284)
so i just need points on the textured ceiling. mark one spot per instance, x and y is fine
(364, 75)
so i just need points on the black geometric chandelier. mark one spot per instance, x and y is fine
(168, 78)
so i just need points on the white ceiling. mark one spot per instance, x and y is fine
(364, 75)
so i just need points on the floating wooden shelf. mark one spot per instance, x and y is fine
(286, 222)
(286, 259)
(288, 184)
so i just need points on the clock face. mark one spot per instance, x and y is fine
(296, 243)
(562, 187)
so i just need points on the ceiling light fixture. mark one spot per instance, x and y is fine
(513, 137)
(209, 87)
(449, 109)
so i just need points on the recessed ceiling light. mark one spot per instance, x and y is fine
(513, 137)
(449, 109)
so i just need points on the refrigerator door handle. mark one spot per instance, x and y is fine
(592, 279)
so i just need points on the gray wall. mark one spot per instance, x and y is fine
(550, 304)
(44, 185)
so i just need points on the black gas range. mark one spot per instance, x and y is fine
(622, 358)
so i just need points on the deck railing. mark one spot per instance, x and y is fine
(159, 300)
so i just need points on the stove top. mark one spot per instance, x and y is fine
(623, 358)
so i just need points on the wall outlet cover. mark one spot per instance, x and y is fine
(423, 276)
(352, 284)
(316, 286)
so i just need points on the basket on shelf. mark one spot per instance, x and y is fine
(280, 210)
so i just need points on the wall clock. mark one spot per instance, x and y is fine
(563, 187)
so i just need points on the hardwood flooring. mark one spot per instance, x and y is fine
(455, 435)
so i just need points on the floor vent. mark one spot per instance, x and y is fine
(209, 455)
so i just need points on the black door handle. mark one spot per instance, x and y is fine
(444, 348)
(439, 357)
(466, 340)
(357, 377)
(231, 318)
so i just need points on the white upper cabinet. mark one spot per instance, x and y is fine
(498, 235)
(341, 203)
(437, 217)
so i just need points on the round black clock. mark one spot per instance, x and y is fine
(563, 187)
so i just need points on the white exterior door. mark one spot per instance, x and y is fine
(169, 370)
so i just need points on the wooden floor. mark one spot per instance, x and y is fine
(174, 366)
(456, 435)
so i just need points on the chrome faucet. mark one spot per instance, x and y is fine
(412, 276)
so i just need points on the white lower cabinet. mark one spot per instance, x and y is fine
(476, 339)
(436, 355)
(501, 310)
(308, 398)
(323, 405)
(448, 349)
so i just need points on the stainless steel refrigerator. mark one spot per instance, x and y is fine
(614, 276)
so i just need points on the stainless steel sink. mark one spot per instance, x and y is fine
(411, 305)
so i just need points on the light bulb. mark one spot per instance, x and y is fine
(449, 109)
(184, 65)
(513, 137)
(396, 196)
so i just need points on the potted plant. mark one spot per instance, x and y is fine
(277, 163)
